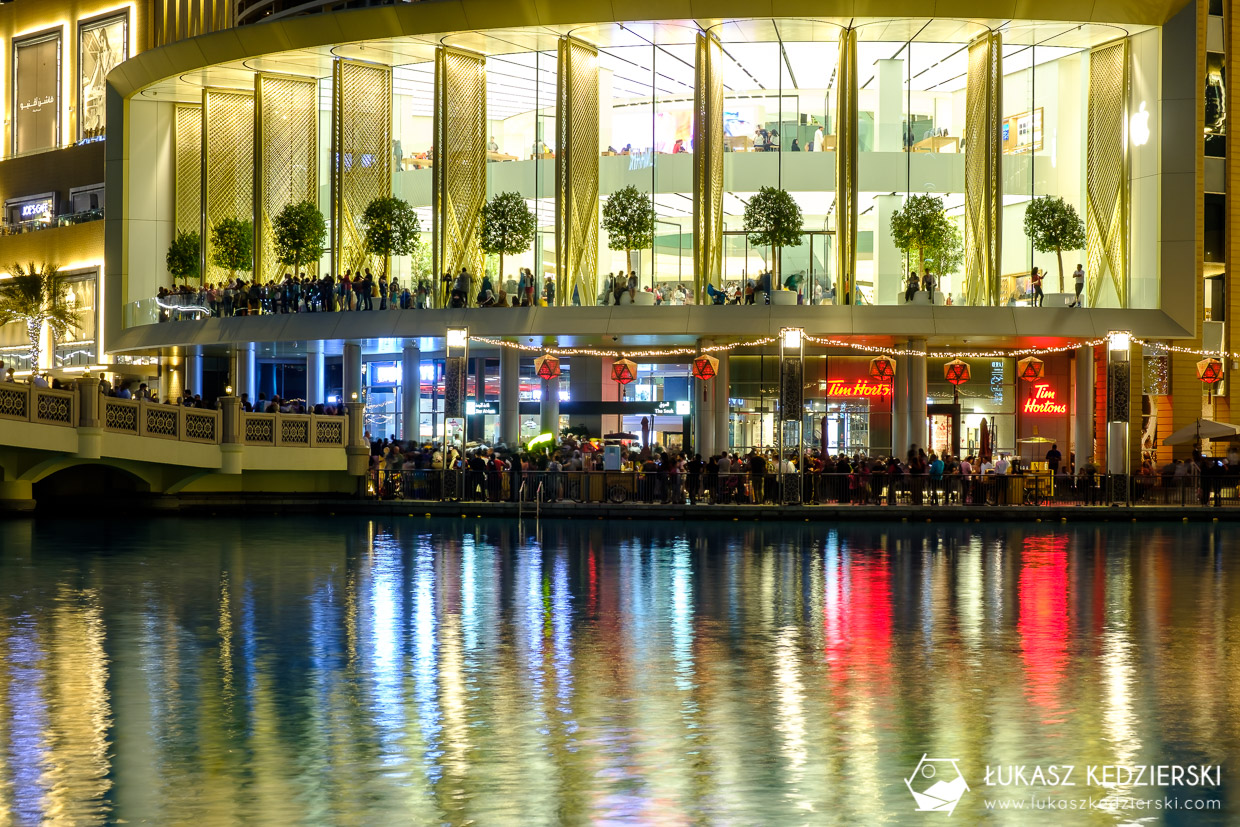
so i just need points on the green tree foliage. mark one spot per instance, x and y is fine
(390, 228)
(232, 246)
(508, 227)
(1053, 225)
(36, 295)
(773, 219)
(182, 259)
(628, 218)
(300, 235)
(922, 227)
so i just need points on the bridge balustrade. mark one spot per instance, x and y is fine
(45, 406)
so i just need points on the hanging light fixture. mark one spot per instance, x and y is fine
(705, 367)
(883, 368)
(547, 367)
(623, 371)
(1030, 368)
(956, 371)
(1210, 370)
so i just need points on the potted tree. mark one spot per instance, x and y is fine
(232, 246)
(773, 219)
(182, 258)
(299, 235)
(35, 295)
(628, 218)
(390, 228)
(1053, 225)
(923, 228)
(508, 227)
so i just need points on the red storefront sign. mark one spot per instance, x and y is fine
(858, 389)
(1043, 400)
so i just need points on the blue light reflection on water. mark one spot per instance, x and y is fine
(311, 671)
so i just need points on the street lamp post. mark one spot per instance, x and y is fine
(791, 397)
(1119, 379)
(456, 355)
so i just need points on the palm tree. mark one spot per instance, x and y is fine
(36, 295)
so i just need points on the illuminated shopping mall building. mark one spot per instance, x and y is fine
(235, 112)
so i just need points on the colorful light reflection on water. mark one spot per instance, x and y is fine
(422, 671)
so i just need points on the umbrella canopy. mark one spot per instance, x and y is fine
(1202, 429)
(984, 438)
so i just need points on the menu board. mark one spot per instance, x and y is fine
(36, 94)
(103, 46)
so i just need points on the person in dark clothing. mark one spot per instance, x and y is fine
(693, 469)
(1053, 459)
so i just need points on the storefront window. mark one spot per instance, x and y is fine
(990, 395)
(36, 94)
(103, 45)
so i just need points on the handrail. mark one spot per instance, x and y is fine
(538, 502)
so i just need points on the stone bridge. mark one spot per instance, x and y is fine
(80, 443)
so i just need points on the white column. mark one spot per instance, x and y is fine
(314, 374)
(193, 369)
(510, 396)
(888, 261)
(410, 392)
(889, 119)
(245, 372)
(705, 397)
(549, 410)
(917, 394)
(723, 408)
(352, 372)
(1083, 416)
(899, 407)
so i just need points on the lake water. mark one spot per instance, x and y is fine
(423, 671)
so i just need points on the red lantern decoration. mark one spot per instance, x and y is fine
(705, 367)
(956, 372)
(623, 371)
(883, 368)
(1210, 370)
(547, 367)
(1030, 368)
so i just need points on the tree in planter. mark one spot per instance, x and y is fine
(232, 246)
(922, 227)
(390, 228)
(947, 255)
(1053, 225)
(35, 295)
(182, 258)
(773, 219)
(508, 227)
(299, 234)
(628, 218)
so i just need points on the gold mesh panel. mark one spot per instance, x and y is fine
(288, 168)
(846, 168)
(460, 179)
(188, 149)
(576, 172)
(361, 153)
(1106, 173)
(227, 164)
(983, 153)
(707, 167)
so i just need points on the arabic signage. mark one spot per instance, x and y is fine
(36, 92)
(682, 407)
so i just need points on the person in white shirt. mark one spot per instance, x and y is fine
(1001, 467)
(1078, 282)
(987, 467)
(38, 380)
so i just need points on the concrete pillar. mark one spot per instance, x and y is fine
(917, 395)
(357, 452)
(723, 408)
(231, 449)
(351, 373)
(899, 407)
(245, 372)
(510, 396)
(193, 369)
(90, 428)
(315, 392)
(590, 381)
(410, 392)
(171, 371)
(888, 261)
(889, 119)
(705, 397)
(1083, 416)
(549, 410)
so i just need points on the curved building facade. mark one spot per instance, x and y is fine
(447, 105)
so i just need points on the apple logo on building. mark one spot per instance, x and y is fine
(1139, 126)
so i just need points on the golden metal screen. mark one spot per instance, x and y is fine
(361, 159)
(1106, 173)
(460, 175)
(707, 166)
(576, 172)
(983, 156)
(227, 165)
(287, 157)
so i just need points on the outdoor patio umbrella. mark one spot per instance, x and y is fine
(645, 431)
(1202, 429)
(983, 450)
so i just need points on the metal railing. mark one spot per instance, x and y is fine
(48, 222)
(46, 406)
(1030, 491)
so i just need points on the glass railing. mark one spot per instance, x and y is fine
(47, 223)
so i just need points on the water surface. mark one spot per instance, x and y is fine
(418, 671)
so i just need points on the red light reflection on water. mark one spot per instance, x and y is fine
(857, 614)
(1043, 624)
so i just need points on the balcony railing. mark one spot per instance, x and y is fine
(50, 222)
